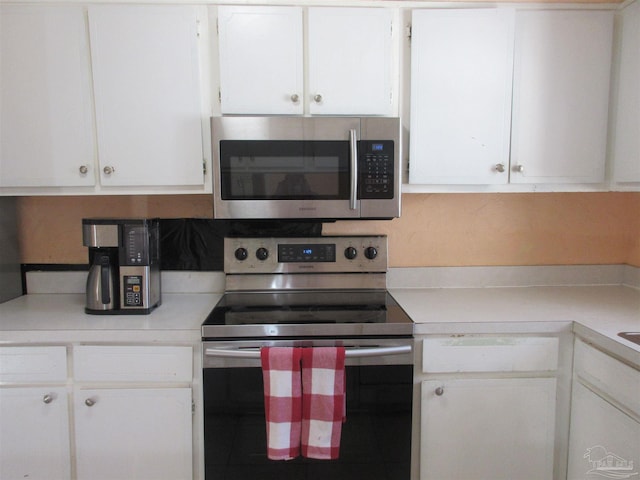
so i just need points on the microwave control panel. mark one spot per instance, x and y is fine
(375, 169)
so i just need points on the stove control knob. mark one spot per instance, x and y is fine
(370, 252)
(350, 253)
(262, 253)
(241, 253)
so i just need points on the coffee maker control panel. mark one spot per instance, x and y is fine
(133, 290)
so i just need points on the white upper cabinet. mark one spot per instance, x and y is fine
(46, 121)
(147, 94)
(562, 68)
(350, 61)
(627, 127)
(461, 70)
(501, 97)
(263, 60)
(260, 59)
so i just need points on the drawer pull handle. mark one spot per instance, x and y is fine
(439, 391)
(48, 398)
(89, 402)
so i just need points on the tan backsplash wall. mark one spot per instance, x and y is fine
(434, 230)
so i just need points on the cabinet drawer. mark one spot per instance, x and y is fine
(132, 364)
(33, 364)
(617, 380)
(489, 354)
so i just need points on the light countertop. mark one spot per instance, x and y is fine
(46, 317)
(596, 313)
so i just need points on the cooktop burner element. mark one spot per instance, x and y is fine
(316, 286)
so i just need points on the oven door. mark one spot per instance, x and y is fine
(376, 437)
(281, 167)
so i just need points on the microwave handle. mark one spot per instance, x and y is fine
(353, 143)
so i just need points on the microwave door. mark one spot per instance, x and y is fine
(287, 179)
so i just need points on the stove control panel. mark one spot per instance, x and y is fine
(341, 254)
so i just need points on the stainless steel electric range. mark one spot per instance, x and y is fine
(312, 291)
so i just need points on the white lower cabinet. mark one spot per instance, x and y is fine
(130, 415)
(34, 433)
(133, 433)
(489, 407)
(34, 413)
(133, 414)
(488, 429)
(604, 439)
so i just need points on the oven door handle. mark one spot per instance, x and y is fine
(353, 144)
(349, 353)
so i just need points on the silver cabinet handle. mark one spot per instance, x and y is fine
(89, 402)
(295, 98)
(108, 170)
(48, 398)
(83, 169)
(518, 168)
(352, 353)
(353, 144)
(439, 391)
(499, 167)
(317, 98)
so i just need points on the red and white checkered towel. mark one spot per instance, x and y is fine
(304, 401)
(282, 401)
(323, 401)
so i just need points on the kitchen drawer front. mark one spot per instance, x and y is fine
(33, 364)
(617, 380)
(489, 354)
(132, 364)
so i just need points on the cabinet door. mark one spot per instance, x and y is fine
(562, 67)
(34, 433)
(627, 127)
(487, 429)
(133, 433)
(147, 94)
(461, 70)
(261, 67)
(604, 442)
(350, 65)
(46, 120)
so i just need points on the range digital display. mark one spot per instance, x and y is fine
(308, 252)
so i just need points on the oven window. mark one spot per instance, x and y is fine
(284, 170)
(376, 437)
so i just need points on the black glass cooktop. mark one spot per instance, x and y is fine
(307, 313)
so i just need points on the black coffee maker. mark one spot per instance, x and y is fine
(124, 265)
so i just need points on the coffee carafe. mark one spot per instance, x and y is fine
(124, 265)
(103, 271)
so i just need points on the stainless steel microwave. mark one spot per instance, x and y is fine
(306, 167)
